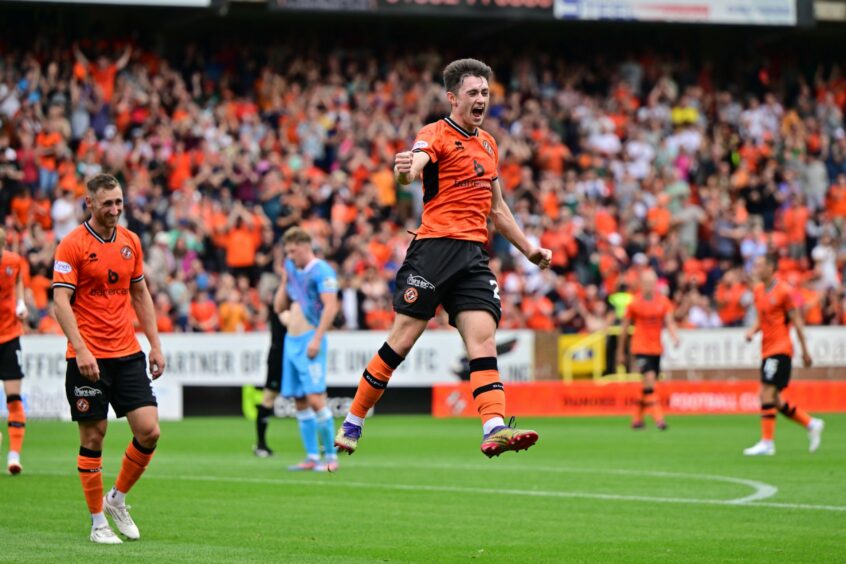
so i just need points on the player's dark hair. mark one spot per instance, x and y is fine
(102, 182)
(296, 235)
(455, 72)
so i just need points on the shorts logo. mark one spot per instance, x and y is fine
(82, 405)
(419, 282)
(410, 296)
(770, 368)
(487, 147)
(61, 267)
(86, 392)
(419, 145)
(126, 253)
(641, 364)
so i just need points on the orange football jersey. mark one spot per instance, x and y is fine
(773, 306)
(647, 317)
(456, 181)
(12, 266)
(100, 273)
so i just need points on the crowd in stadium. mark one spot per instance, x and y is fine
(615, 167)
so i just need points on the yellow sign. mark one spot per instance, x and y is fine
(581, 355)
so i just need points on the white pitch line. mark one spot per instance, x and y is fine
(484, 491)
(761, 490)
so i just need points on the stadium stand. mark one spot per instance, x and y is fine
(615, 166)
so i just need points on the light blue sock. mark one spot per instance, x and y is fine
(326, 429)
(308, 432)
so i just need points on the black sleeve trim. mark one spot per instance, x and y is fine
(63, 285)
(139, 279)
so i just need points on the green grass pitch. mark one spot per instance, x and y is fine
(419, 490)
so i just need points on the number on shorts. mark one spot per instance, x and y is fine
(315, 371)
(495, 289)
(770, 368)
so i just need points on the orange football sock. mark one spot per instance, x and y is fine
(374, 380)
(768, 421)
(787, 410)
(644, 406)
(135, 461)
(90, 465)
(657, 410)
(17, 422)
(488, 392)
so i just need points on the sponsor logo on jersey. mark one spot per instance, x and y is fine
(419, 282)
(92, 257)
(459, 146)
(410, 296)
(62, 267)
(108, 292)
(86, 392)
(126, 252)
(113, 277)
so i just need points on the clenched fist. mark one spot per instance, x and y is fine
(402, 162)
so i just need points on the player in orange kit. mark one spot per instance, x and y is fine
(447, 263)
(97, 274)
(13, 272)
(649, 312)
(776, 312)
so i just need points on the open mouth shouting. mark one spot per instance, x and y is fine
(478, 112)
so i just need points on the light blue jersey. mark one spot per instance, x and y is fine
(302, 375)
(306, 285)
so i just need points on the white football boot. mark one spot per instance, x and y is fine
(761, 448)
(104, 535)
(120, 514)
(815, 429)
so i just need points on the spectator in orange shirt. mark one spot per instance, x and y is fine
(233, 314)
(659, 218)
(163, 308)
(732, 298)
(48, 144)
(203, 315)
(795, 220)
(242, 242)
(836, 200)
(380, 315)
(553, 154)
(104, 72)
(538, 311)
(39, 284)
(811, 303)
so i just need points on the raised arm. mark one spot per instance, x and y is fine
(124, 58)
(505, 224)
(409, 165)
(80, 56)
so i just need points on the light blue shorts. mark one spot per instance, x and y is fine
(302, 375)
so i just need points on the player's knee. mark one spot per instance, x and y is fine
(481, 347)
(317, 401)
(402, 343)
(150, 437)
